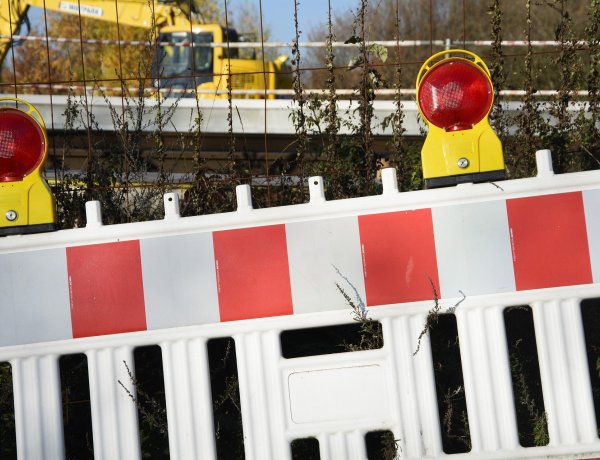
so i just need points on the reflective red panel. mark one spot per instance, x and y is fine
(22, 145)
(455, 95)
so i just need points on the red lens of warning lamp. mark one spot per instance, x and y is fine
(455, 95)
(22, 145)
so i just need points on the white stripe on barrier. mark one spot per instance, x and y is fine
(473, 249)
(35, 285)
(591, 202)
(317, 251)
(179, 280)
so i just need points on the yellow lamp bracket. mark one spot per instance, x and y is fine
(455, 96)
(26, 202)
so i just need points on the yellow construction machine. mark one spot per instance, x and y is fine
(187, 58)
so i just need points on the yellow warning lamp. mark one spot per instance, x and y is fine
(455, 96)
(26, 203)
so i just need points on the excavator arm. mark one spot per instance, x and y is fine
(138, 13)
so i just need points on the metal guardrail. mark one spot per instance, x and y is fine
(253, 114)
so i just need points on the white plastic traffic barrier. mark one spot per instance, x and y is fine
(104, 290)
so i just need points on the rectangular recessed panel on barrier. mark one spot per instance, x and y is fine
(340, 395)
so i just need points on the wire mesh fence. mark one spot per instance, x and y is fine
(144, 61)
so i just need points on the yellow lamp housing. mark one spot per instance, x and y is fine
(455, 96)
(26, 202)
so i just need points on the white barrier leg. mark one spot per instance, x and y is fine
(38, 408)
(189, 401)
(114, 414)
(261, 392)
(564, 372)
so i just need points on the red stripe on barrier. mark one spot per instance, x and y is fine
(399, 259)
(253, 276)
(106, 290)
(549, 241)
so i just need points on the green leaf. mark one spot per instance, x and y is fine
(379, 51)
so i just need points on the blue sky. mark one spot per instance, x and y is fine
(279, 15)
